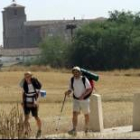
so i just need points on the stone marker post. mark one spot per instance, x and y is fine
(96, 115)
(136, 112)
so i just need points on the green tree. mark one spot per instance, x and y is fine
(114, 43)
(53, 51)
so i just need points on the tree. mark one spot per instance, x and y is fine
(53, 51)
(107, 45)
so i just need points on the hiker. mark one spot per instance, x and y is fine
(80, 103)
(31, 87)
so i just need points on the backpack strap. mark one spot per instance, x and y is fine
(72, 81)
(84, 81)
(33, 96)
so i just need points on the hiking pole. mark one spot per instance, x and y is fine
(60, 112)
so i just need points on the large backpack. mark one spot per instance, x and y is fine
(37, 85)
(84, 81)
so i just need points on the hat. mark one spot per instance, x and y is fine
(76, 68)
(29, 73)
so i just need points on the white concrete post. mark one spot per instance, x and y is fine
(136, 112)
(96, 115)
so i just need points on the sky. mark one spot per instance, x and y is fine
(67, 9)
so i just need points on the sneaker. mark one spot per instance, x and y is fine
(38, 134)
(72, 132)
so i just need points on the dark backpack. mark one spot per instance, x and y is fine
(35, 82)
(84, 81)
(36, 85)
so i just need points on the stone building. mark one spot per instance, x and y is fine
(19, 55)
(20, 33)
(13, 26)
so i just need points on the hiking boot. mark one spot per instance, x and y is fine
(86, 131)
(26, 135)
(72, 132)
(38, 134)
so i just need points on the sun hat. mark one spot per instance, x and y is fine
(28, 73)
(76, 68)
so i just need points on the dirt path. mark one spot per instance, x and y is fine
(110, 133)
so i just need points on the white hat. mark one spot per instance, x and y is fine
(76, 68)
(28, 72)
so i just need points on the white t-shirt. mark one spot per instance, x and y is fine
(31, 88)
(31, 92)
(79, 87)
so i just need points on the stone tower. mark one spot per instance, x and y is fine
(13, 26)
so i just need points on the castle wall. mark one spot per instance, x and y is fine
(19, 33)
(58, 29)
(32, 36)
(36, 31)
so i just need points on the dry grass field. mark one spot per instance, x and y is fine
(115, 87)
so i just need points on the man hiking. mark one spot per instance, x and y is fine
(80, 102)
(31, 87)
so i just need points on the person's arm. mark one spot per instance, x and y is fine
(39, 85)
(22, 88)
(69, 91)
(88, 89)
(22, 102)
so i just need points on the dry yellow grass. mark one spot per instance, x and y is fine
(116, 89)
(109, 85)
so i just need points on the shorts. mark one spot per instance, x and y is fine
(81, 105)
(33, 110)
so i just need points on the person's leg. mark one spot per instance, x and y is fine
(75, 120)
(26, 120)
(86, 122)
(38, 121)
(38, 134)
(85, 106)
(35, 115)
(76, 110)
(26, 123)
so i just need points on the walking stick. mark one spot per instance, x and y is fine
(60, 113)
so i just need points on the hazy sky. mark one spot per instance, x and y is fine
(60, 9)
